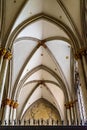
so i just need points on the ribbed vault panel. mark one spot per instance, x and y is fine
(73, 7)
(49, 7)
(61, 52)
(42, 29)
(41, 57)
(41, 75)
(21, 52)
(58, 94)
(24, 93)
(9, 15)
(35, 96)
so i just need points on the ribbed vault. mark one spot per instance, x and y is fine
(43, 37)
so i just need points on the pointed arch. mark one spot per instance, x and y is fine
(51, 19)
(35, 87)
(54, 60)
(42, 99)
(62, 85)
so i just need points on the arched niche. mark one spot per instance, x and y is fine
(41, 109)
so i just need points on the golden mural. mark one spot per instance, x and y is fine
(42, 109)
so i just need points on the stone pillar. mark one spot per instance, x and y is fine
(82, 87)
(67, 105)
(78, 106)
(2, 53)
(73, 111)
(76, 111)
(6, 59)
(11, 112)
(70, 112)
(14, 112)
(6, 111)
(83, 53)
(85, 66)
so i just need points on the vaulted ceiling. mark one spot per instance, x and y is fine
(43, 36)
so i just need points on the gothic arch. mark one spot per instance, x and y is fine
(57, 22)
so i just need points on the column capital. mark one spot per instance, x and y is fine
(6, 101)
(70, 104)
(12, 103)
(8, 55)
(80, 52)
(15, 105)
(2, 51)
(9, 102)
(77, 56)
(67, 106)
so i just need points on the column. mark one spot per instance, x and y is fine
(2, 53)
(76, 111)
(11, 112)
(79, 113)
(14, 112)
(84, 60)
(67, 105)
(78, 105)
(6, 111)
(85, 66)
(83, 90)
(65, 117)
(82, 86)
(72, 112)
(6, 59)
